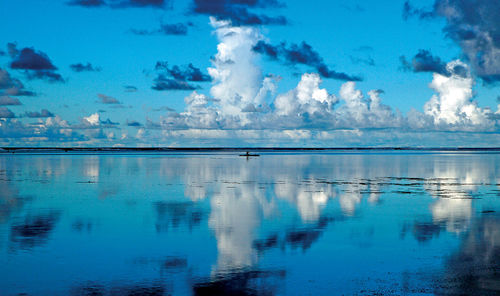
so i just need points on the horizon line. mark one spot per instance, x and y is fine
(107, 148)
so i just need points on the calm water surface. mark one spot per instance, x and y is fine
(280, 224)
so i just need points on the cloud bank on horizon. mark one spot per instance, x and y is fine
(245, 105)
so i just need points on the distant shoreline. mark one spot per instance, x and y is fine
(5, 150)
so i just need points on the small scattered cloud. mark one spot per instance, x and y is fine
(369, 61)
(6, 113)
(304, 54)
(11, 86)
(130, 88)
(179, 29)
(79, 67)
(424, 61)
(411, 11)
(87, 3)
(117, 4)
(46, 75)
(104, 99)
(163, 83)
(133, 123)
(163, 108)
(353, 7)
(95, 121)
(178, 77)
(6, 101)
(183, 73)
(44, 113)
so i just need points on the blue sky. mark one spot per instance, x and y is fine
(262, 73)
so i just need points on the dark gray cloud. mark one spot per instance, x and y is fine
(108, 123)
(79, 67)
(30, 59)
(183, 73)
(168, 109)
(87, 3)
(424, 61)
(164, 83)
(119, 3)
(104, 99)
(238, 11)
(178, 77)
(12, 86)
(37, 64)
(475, 26)
(44, 113)
(49, 76)
(6, 113)
(179, 29)
(133, 123)
(410, 11)
(303, 54)
(6, 101)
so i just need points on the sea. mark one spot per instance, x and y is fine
(277, 222)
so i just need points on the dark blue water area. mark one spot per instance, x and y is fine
(215, 223)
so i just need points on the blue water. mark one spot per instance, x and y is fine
(353, 223)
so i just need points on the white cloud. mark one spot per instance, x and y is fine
(307, 97)
(453, 107)
(93, 120)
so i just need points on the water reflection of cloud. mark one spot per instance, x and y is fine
(173, 214)
(473, 270)
(243, 282)
(33, 230)
(92, 288)
(454, 213)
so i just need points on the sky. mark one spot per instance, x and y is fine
(250, 73)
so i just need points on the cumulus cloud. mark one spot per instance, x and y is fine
(238, 11)
(36, 63)
(473, 25)
(453, 105)
(94, 121)
(119, 3)
(79, 67)
(307, 102)
(241, 98)
(304, 54)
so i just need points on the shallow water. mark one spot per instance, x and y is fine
(350, 223)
